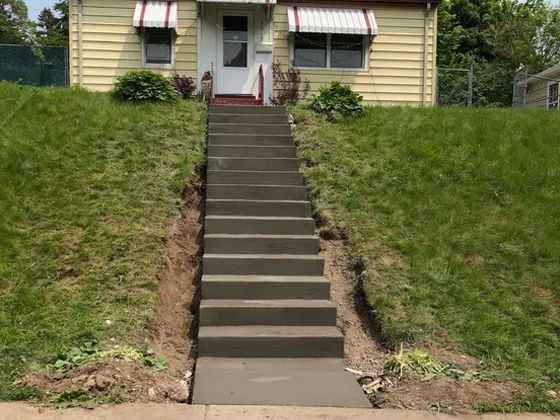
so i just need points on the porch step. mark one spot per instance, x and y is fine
(246, 118)
(247, 139)
(263, 264)
(218, 312)
(254, 177)
(233, 109)
(251, 151)
(282, 208)
(239, 128)
(270, 341)
(257, 192)
(252, 164)
(259, 225)
(220, 243)
(265, 287)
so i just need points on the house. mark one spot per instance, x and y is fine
(385, 49)
(541, 90)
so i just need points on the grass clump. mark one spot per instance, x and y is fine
(89, 186)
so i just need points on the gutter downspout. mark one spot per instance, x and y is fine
(80, 46)
(425, 68)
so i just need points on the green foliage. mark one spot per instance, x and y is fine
(83, 398)
(13, 22)
(53, 29)
(337, 98)
(144, 86)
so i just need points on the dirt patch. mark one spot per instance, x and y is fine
(364, 349)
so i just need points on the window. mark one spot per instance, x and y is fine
(344, 51)
(553, 95)
(235, 41)
(158, 46)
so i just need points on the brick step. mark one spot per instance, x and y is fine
(251, 151)
(221, 243)
(254, 177)
(265, 287)
(236, 128)
(257, 192)
(218, 117)
(270, 341)
(269, 208)
(259, 225)
(253, 164)
(234, 109)
(263, 264)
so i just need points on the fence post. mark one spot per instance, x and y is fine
(470, 93)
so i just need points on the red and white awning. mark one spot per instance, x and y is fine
(240, 1)
(155, 14)
(332, 21)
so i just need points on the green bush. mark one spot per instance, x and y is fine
(144, 86)
(337, 98)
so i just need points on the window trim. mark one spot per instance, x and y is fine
(365, 56)
(164, 66)
(548, 101)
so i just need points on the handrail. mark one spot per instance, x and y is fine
(261, 85)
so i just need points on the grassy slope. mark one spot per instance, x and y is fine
(456, 214)
(88, 187)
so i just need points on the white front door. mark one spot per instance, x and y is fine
(235, 69)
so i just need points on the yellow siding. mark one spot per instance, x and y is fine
(537, 93)
(111, 46)
(396, 58)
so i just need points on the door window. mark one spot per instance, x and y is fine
(235, 39)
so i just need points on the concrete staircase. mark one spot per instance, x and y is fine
(267, 327)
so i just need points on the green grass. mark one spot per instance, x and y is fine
(88, 188)
(456, 215)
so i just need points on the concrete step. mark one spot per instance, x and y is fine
(254, 177)
(251, 151)
(270, 341)
(218, 117)
(263, 264)
(220, 243)
(253, 164)
(257, 192)
(267, 312)
(259, 225)
(236, 128)
(265, 287)
(270, 208)
(279, 381)
(244, 109)
(250, 139)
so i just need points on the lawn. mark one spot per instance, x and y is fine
(456, 216)
(88, 187)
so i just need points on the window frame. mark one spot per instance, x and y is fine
(548, 97)
(365, 55)
(145, 62)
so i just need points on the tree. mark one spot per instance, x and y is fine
(14, 26)
(53, 29)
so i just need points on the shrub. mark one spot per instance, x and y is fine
(288, 86)
(337, 98)
(183, 85)
(144, 86)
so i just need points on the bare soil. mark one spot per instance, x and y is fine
(364, 349)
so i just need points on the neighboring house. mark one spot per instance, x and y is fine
(386, 50)
(542, 89)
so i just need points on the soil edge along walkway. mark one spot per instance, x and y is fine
(267, 326)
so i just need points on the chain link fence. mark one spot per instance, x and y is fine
(454, 87)
(34, 65)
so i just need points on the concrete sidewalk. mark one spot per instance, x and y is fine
(23, 411)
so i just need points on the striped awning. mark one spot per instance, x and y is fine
(240, 1)
(331, 20)
(155, 14)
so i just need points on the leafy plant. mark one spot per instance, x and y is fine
(337, 98)
(289, 88)
(83, 398)
(185, 86)
(144, 86)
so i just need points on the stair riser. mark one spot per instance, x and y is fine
(250, 140)
(258, 164)
(307, 246)
(262, 266)
(264, 290)
(271, 347)
(257, 208)
(267, 316)
(248, 118)
(255, 151)
(252, 192)
(254, 178)
(216, 128)
(232, 109)
(272, 227)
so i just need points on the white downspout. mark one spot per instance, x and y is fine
(426, 42)
(80, 46)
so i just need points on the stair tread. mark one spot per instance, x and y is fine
(268, 331)
(257, 236)
(244, 200)
(265, 256)
(262, 278)
(262, 303)
(221, 217)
